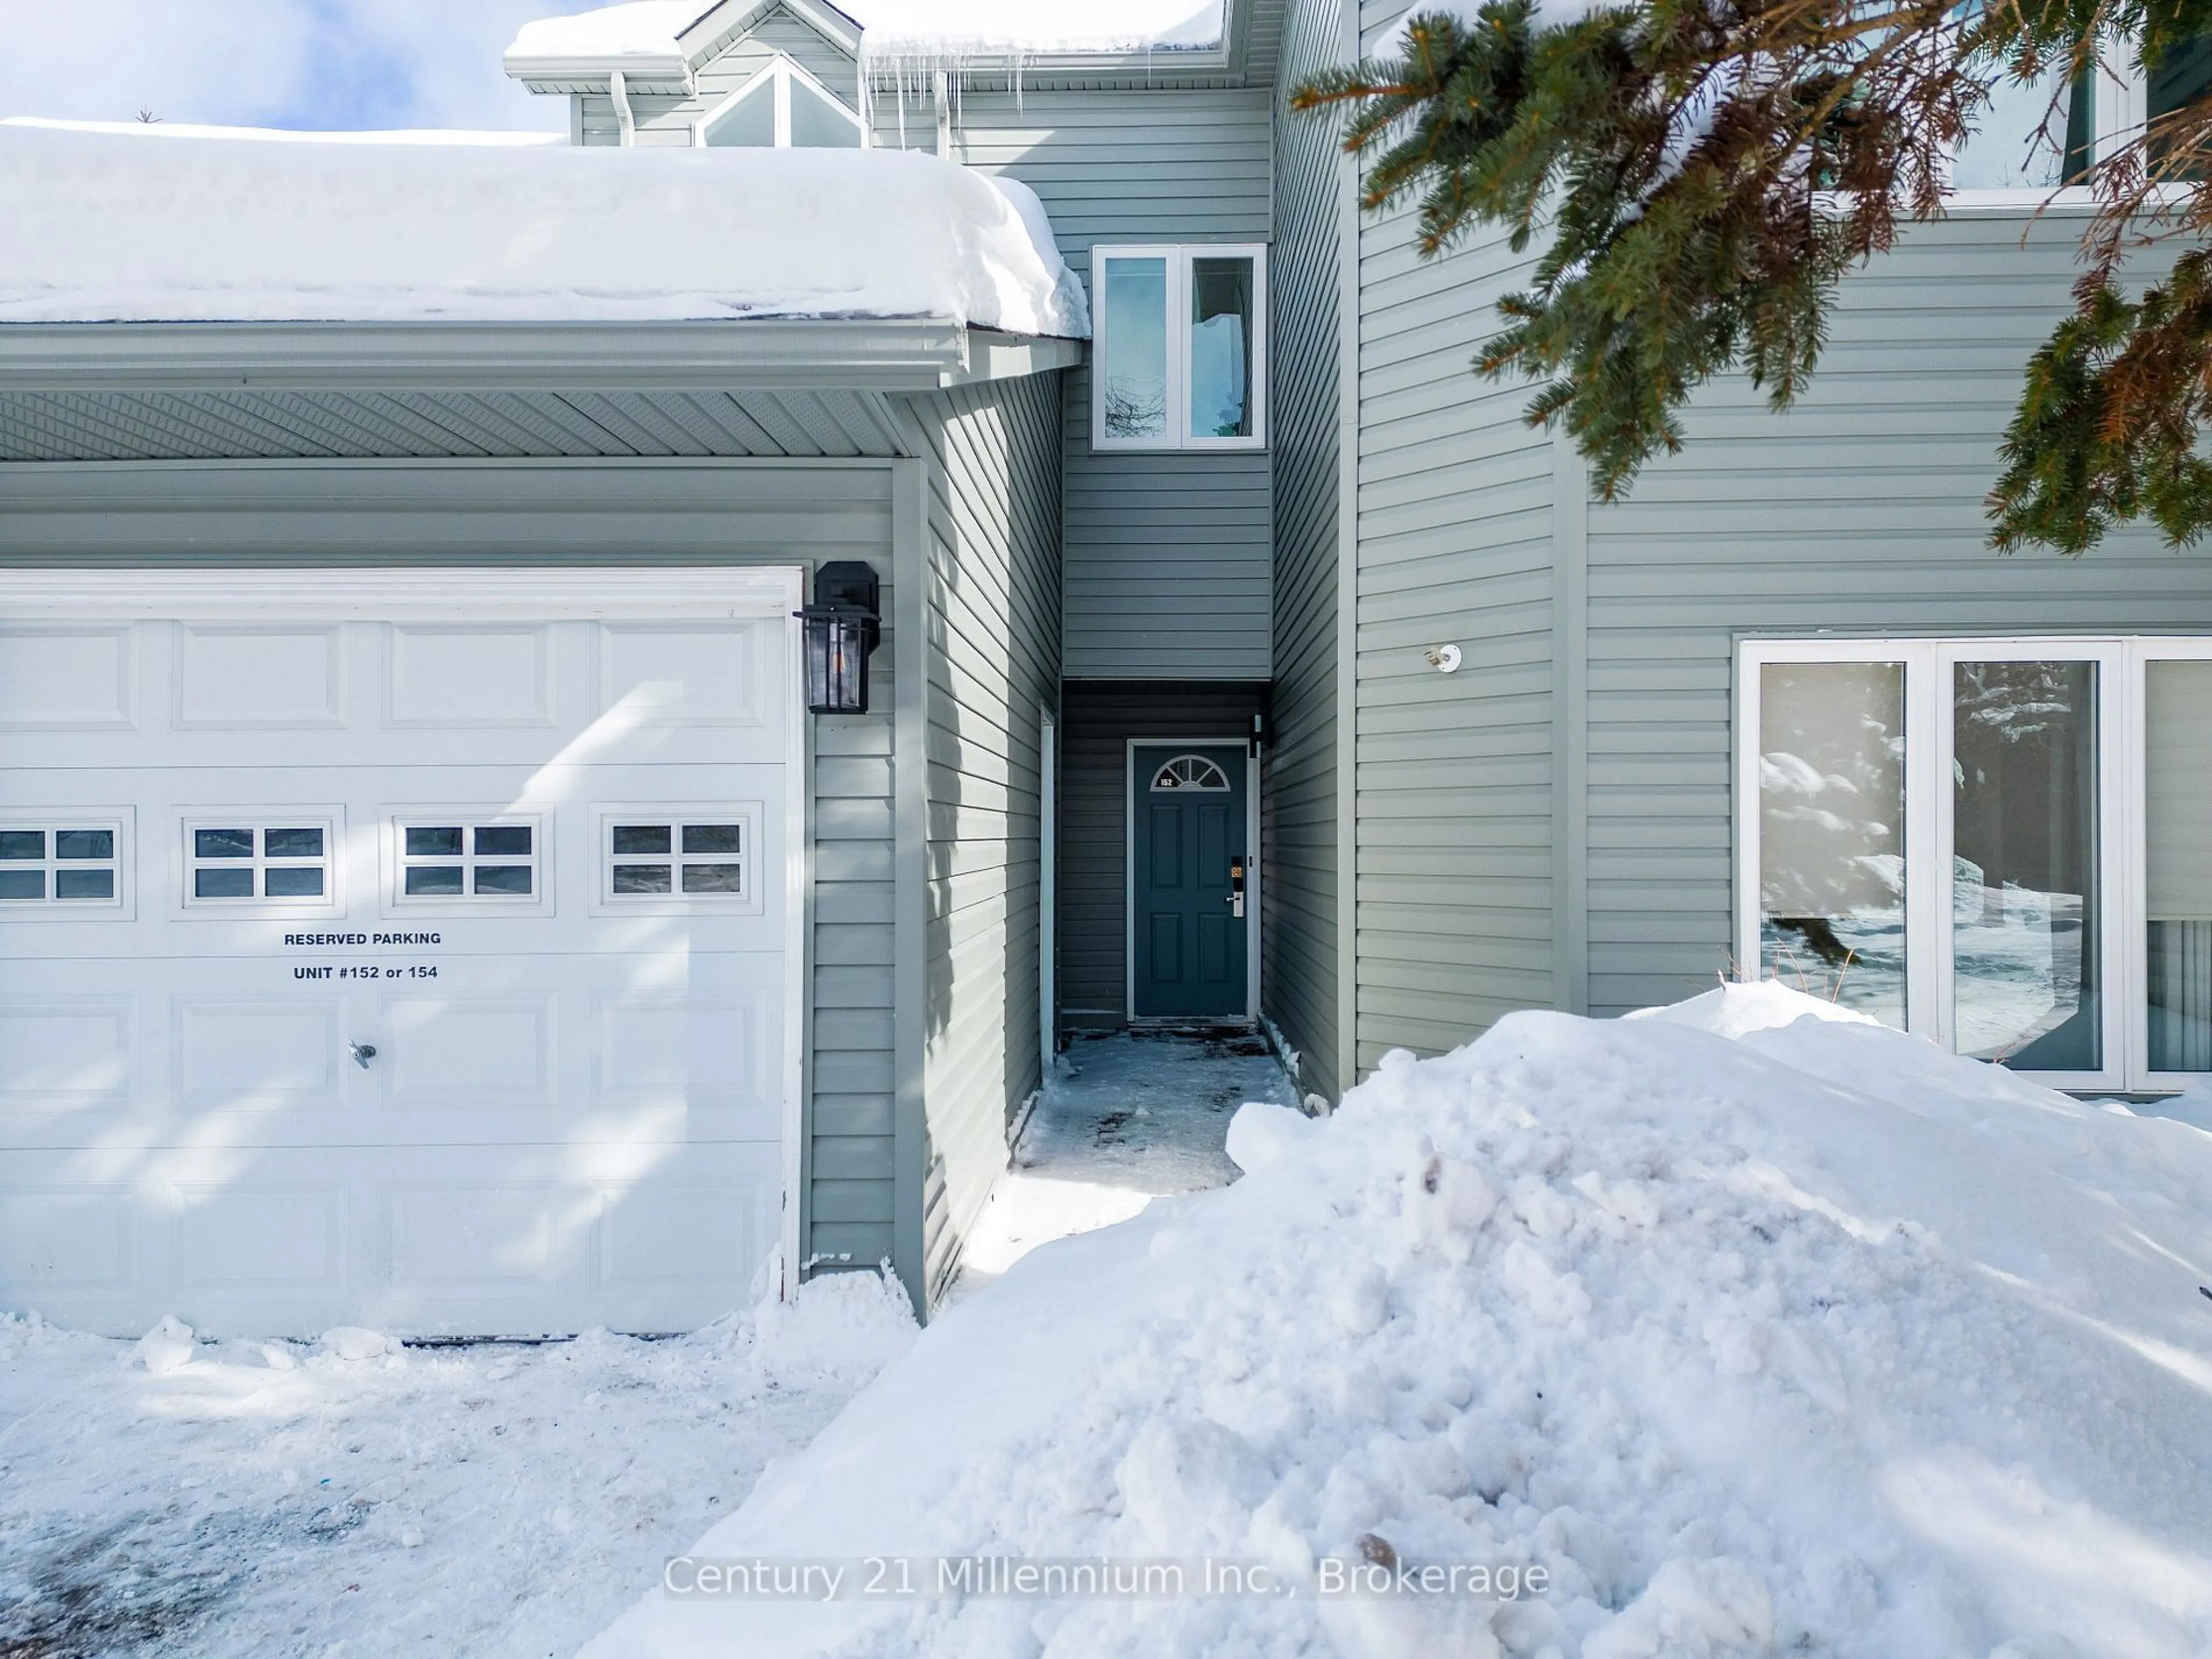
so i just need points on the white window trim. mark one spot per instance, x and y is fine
(123, 906)
(2118, 100)
(330, 820)
(779, 71)
(607, 902)
(1178, 257)
(538, 901)
(2124, 667)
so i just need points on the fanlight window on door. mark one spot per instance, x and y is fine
(1191, 773)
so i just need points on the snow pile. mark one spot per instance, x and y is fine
(1760, 1328)
(644, 34)
(245, 1498)
(111, 226)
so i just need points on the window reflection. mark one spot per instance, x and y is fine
(1832, 832)
(2025, 904)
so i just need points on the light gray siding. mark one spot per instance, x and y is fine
(523, 513)
(1168, 562)
(991, 619)
(1455, 810)
(1298, 788)
(664, 120)
(1168, 565)
(1092, 909)
(1858, 513)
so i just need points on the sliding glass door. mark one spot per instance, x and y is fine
(2026, 974)
(1932, 832)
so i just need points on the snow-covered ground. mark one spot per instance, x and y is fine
(1757, 1328)
(238, 1499)
(1123, 1120)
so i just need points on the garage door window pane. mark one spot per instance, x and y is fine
(438, 841)
(19, 884)
(712, 837)
(222, 843)
(222, 883)
(636, 838)
(714, 878)
(634, 878)
(84, 883)
(506, 841)
(503, 878)
(82, 844)
(2027, 914)
(429, 880)
(22, 844)
(295, 844)
(288, 881)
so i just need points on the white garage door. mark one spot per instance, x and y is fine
(404, 948)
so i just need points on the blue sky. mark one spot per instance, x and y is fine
(328, 63)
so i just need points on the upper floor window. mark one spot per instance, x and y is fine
(1180, 353)
(781, 107)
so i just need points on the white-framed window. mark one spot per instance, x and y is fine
(1998, 843)
(662, 857)
(72, 863)
(451, 858)
(1179, 346)
(2034, 139)
(782, 106)
(259, 861)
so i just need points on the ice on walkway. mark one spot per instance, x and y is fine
(1126, 1118)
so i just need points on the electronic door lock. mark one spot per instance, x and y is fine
(1236, 888)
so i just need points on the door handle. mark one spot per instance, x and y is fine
(1236, 888)
(362, 1054)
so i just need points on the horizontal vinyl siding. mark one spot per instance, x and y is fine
(1167, 566)
(992, 611)
(223, 514)
(1299, 787)
(664, 120)
(1860, 512)
(1454, 772)
(1090, 912)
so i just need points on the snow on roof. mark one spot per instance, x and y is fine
(110, 227)
(1757, 1328)
(642, 33)
(645, 32)
(430, 136)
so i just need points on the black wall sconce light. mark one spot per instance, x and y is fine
(843, 628)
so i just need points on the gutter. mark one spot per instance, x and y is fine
(903, 354)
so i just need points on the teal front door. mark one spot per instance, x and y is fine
(1189, 889)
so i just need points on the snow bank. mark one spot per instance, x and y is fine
(644, 33)
(112, 227)
(1760, 1333)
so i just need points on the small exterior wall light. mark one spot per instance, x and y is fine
(843, 628)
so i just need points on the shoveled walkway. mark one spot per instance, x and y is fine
(1126, 1119)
